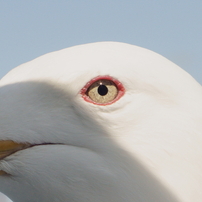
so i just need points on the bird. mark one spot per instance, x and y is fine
(100, 122)
(3, 198)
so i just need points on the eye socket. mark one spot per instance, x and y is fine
(102, 90)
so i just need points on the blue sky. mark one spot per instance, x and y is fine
(32, 28)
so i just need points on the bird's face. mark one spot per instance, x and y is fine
(99, 122)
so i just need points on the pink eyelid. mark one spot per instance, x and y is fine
(120, 87)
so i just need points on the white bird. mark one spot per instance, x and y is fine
(3, 198)
(102, 122)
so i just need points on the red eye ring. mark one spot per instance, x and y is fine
(118, 84)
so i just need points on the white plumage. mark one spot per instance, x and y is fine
(146, 146)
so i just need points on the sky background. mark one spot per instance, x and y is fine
(172, 28)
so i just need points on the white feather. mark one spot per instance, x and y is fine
(147, 146)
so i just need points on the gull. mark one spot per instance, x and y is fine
(101, 122)
(3, 198)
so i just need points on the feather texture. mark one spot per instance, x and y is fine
(146, 146)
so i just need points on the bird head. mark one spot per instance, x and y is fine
(100, 122)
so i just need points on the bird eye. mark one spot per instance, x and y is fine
(102, 90)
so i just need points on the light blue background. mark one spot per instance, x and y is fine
(172, 28)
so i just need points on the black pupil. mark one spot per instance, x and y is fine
(102, 90)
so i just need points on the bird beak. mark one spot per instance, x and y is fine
(8, 147)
